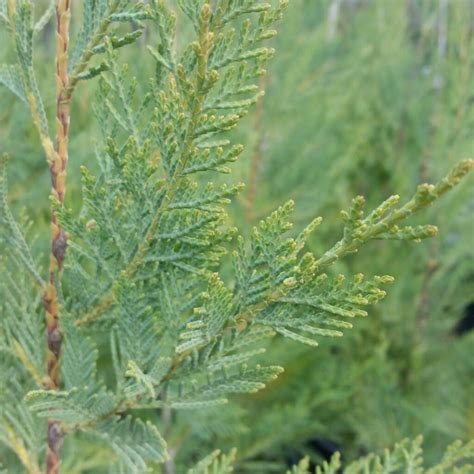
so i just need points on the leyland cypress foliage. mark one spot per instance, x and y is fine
(133, 277)
(406, 456)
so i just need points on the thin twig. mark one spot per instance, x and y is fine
(58, 167)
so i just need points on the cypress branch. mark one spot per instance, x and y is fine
(151, 318)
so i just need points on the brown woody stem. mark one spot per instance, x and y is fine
(57, 165)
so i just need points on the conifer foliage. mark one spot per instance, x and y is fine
(134, 275)
(406, 456)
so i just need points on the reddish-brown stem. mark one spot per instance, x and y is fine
(57, 165)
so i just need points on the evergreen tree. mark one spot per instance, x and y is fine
(142, 316)
(372, 111)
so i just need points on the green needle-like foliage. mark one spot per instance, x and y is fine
(406, 456)
(150, 322)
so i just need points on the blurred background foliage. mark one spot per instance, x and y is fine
(363, 97)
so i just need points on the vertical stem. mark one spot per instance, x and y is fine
(57, 166)
(333, 19)
(443, 28)
(166, 418)
(414, 22)
(422, 309)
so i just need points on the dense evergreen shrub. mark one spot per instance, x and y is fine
(124, 353)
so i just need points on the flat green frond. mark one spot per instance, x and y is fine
(406, 456)
(458, 457)
(20, 432)
(100, 30)
(10, 232)
(156, 327)
(81, 407)
(21, 28)
(213, 387)
(144, 216)
(45, 17)
(332, 466)
(383, 222)
(215, 463)
(330, 309)
(134, 442)
(301, 468)
(79, 357)
(4, 19)
(10, 78)
(21, 325)
(267, 261)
